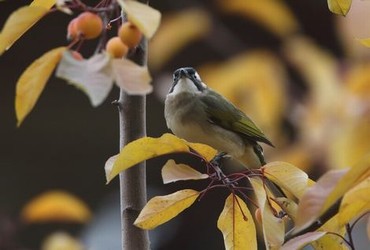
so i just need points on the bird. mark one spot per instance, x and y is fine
(198, 114)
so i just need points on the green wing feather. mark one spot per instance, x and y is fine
(224, 114)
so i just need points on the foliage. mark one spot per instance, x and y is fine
(235, 222)
(282, 191)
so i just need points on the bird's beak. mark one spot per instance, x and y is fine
(184, 73)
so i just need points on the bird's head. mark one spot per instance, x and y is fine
(187, 80)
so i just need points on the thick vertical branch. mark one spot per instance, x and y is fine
(132, 116)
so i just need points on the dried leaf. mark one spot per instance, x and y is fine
(92, 76)
(55, 206)
(43, 3)
(273, 227)
(61, 241)
(18, 23)
(355, 202)
(313, 200)
(143, 16)
(237, 225)
(132, 78)
(144, 149)
(198, 23)
(172, 172)
(274, 15)
(109, 164)
(339, 7)
(287, 176)
(302, 240)
(161, 209)
(33, 80)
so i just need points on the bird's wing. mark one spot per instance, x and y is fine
(224, 114)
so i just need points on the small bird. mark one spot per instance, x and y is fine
(198, 114)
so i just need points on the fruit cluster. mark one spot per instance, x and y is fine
(89, 25)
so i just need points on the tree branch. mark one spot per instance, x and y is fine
(132, 118)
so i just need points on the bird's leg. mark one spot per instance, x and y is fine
(216, 162)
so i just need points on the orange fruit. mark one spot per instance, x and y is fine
(130, 34)
(89, 25)
(72, 32)
(116, 48)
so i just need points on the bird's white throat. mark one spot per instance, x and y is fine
(184, 84)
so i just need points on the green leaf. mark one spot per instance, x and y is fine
(161, 209)
(237, 225)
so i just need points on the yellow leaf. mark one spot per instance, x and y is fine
(365, 42)
(237, 225)
(259, 75)
(274, 15)
(330, 241)
(302, 240)
(55, 206)
(198, 24)
(340, 7)
(356, 174)
(272, 227)
(44, 3)
(312, 201)
(287, 176)
(61, 241)
(172, 172)
(161, 209)
(355, 202)
(288, 205)
(352, 143)
(144, 149)
(33, 80)
(18, 23)
(144, 17)
(204, 150)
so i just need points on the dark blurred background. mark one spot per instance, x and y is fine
(64, 143)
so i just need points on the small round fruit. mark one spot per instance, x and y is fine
(116, 47)
(130, 34)
(72, 31)
(90, 25)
